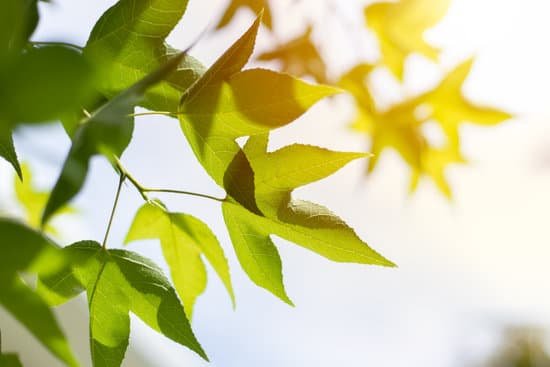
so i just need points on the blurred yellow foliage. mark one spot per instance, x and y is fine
(33, 201)
(400, 26)
(401, 126)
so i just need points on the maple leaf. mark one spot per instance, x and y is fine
(400, 26)
(299, 57)
(128, 42)
(184, 239)
(118, 282)
(227, 103)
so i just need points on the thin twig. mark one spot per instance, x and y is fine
(161, 113)
(144, 190)
(122, 177)
(182, 192)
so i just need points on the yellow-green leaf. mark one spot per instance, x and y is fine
(184, 240)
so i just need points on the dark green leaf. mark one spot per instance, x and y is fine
(24, 250)
(118, 282)
(44, 84)
(7, 151)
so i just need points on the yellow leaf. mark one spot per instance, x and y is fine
(400, 28)
(33, 201)
(401, 126)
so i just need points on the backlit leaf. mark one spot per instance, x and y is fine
(118, 282)
(184, 240)
(128, 42)
(227, 103)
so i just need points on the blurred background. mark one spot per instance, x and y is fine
(470, 289)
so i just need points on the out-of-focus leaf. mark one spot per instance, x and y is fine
(184, 239)
(450, 108)
(18, 19)
(400, 26)
(24, 250)
(118, 282)
(7, 150)
(10, 360)
(299, 57)
(44, 84)
(128, 42)
(107, 131)
(34, 201)
(401, 126)
(256, 6)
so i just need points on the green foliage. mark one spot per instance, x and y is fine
(22, 250)
(184, 239)
(108, 130)
(128, 42)
(7, 151)
(116, 283)
(10, 360)
(127, 63)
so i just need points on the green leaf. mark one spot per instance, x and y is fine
(44, 84)
(10, 360)
(256, 6)
(256, 252)
(107, 131)
(118, 282)
(184, 239)
(18, 19)
(280, 172)
(127, 43)
(7, 151)
(24, 250)
(309, 225)
(226, 104)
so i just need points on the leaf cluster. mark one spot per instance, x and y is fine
(399, 28)
(94, 90)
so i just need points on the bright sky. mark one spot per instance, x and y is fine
(465, 267)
